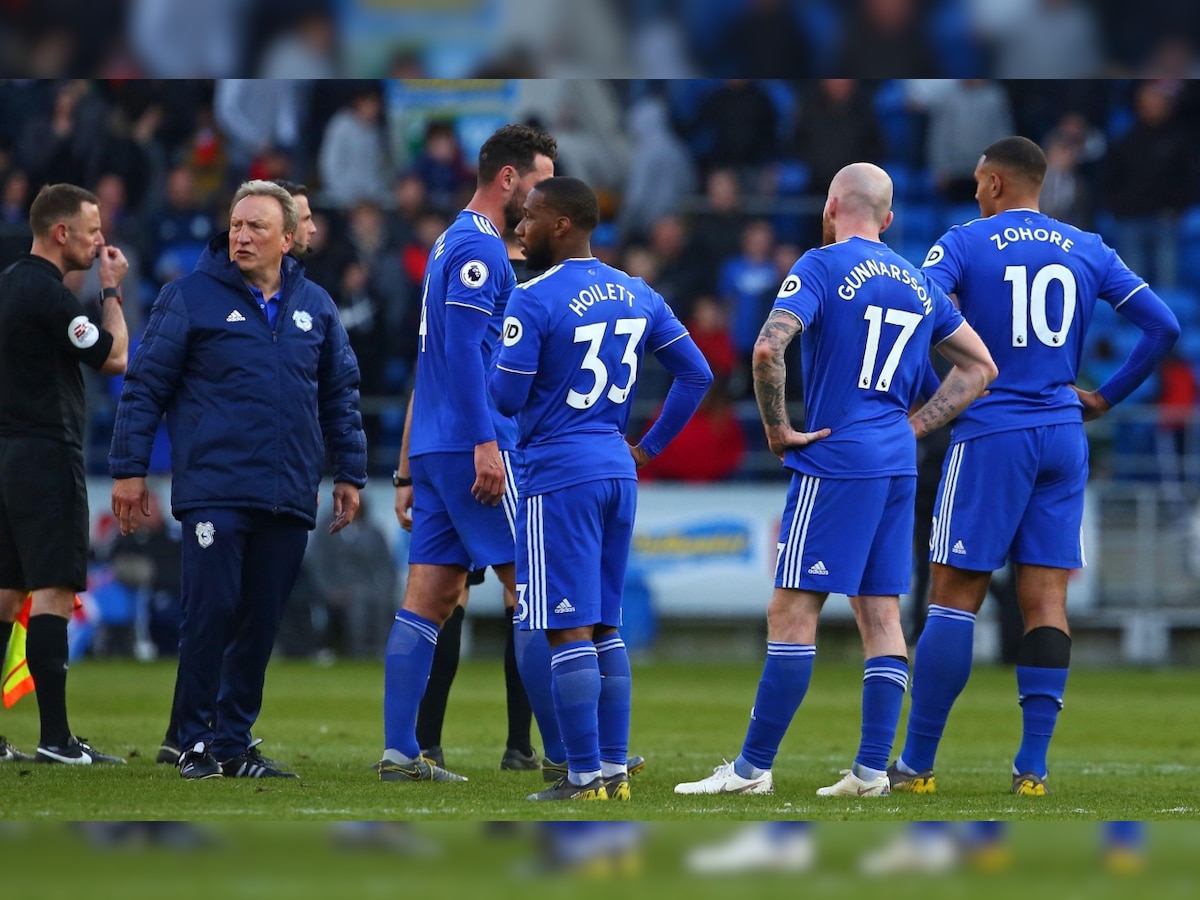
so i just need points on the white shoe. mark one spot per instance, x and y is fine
(759, 847)
(853, 786)
(724, 780)
(930, 854)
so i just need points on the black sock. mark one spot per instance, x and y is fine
(520, 713)
(46, 648)
(5, 633)
(432, 711)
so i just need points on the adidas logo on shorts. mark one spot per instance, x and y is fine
(959, 548)
(818, 568)
(564, 606)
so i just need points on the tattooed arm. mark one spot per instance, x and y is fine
(769, 377)
(973, 371)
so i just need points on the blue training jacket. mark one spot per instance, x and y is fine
(250, 410)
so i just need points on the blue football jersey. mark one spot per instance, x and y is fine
(468, 266)
(582, 330)
(1028, 284)
(869, 319)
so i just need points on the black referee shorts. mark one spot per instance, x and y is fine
(43, 515)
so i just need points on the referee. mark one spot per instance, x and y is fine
(44, 334)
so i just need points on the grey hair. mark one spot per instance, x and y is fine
(261, 188)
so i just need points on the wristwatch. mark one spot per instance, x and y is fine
(397, 481)
(107, 292)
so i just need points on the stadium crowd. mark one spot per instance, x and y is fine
(710, 189)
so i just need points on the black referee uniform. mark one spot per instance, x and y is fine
(45, 334)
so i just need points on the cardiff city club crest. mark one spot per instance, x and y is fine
(302, 319)
(205, 532)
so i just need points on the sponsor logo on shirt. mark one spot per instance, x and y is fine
(474, 273)
(82, 332)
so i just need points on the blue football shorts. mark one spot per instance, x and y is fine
(572, 551)
(452, 528)
(1015, 494)
(847, 535)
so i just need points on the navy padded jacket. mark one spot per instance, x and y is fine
(250, 411)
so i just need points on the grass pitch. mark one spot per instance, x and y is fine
(1126, 748)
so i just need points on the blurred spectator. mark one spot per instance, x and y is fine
(129, 149)
(736, 128)
(766, 42)
(1065, 193)
(747, 283)
(837, 126)
(415, 253)
(256, 117)
(188, 40)
(660, 173)
(204, 153)
(354, 578)
(373, 302)
(15, 236)
(147, 563)
(964, 116)
(585, 117)
(353, 160)
(442, 169)
(409, 203)
(606, 244)
(1177, 401)
(178, 233)
(677, 274)
(712, 444)
(306, 49)
(886, 38)
(1151, 179)
(121, 229)
(57, 145)
(1044, 39)
(716, 229)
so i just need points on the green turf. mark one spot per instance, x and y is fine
(1126, 747)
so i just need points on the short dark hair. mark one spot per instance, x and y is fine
(1019, 155)
(572, 198)
(516, 146)
(295, 188)
(55, 202)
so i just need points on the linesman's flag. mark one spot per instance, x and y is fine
(17, 680)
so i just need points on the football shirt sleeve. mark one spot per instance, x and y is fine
(943, 262)
(800, 294)
(75, 333)
(511, 378)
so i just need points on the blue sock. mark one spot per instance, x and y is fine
(1041, 692)
(1126, 835)
(533, 662)
(940, 673)
(616, 687)
(781, 689)
(575, 672)
(885, 679)
(405, 671)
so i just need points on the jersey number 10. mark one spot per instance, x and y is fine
(593, 336)
(1029, 304)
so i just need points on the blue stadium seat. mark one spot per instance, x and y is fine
(822, 22)
(956, 52)
(957, 214)
(1184, 302)
(917, 224)
(896, 121)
